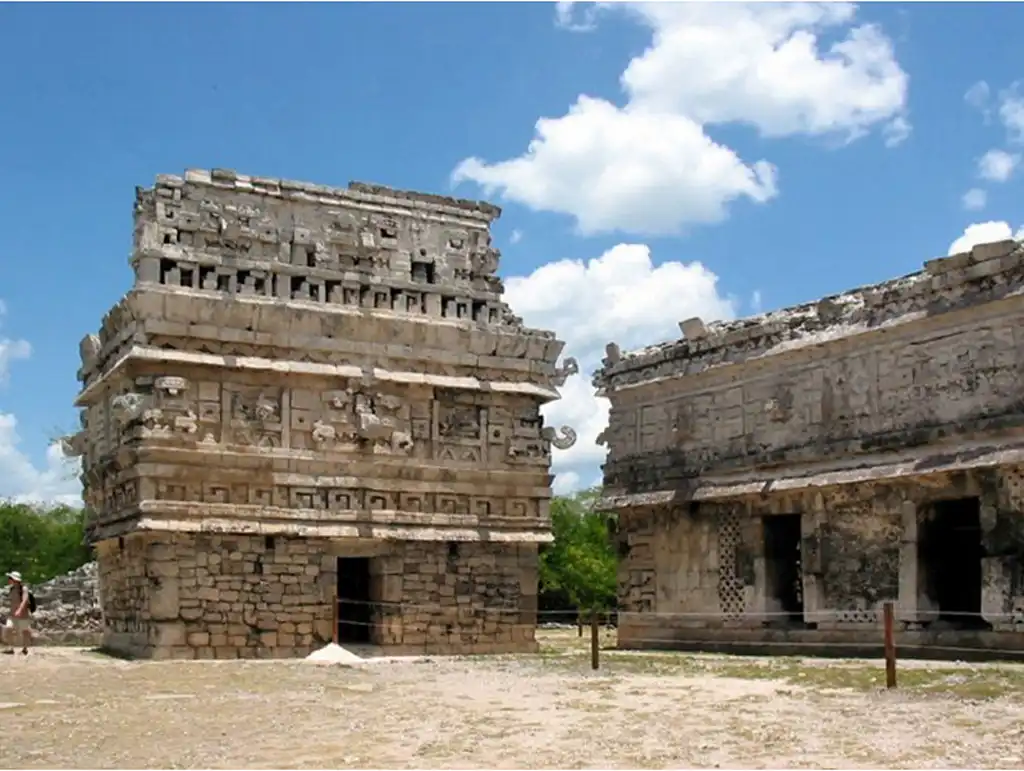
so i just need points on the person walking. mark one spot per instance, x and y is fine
(19, 623)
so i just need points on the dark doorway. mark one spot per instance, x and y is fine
(783, 571)
(950, 553)
(355, 613)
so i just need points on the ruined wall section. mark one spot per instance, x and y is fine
(125, 596)
(273, 453)
(458, 598)
(220, 234)
(223, 596)
(220, 231)
(364, 329)
(1003, 542)
(859, 549)
(903, 364)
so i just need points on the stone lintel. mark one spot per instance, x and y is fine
(922, 467)
(390, 474)
(376, 196)
(377, 532)
(258, 364)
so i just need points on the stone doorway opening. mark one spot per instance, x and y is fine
(355, 611)
(784, 591)
(950, 553)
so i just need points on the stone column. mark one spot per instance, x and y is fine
(907, 604)
(810, 561)
(1002, 506)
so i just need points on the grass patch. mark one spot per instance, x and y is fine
(964, 682)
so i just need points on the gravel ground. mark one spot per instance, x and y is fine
(71, 708)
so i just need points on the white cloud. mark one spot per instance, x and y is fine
(515, 236)
(756, 303)
(1011, 112)
(22, 481)
(975, 199)
(984, 233)
(649, 167)
(567, 18)
(997, 165)
(622, 297)
(612, 169)
(10, 350)
(896, 131)
(977, 95)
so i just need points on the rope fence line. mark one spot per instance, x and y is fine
(885, 642)
(820, 615)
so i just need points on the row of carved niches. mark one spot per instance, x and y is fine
(336, 238)
(350, 291)
(117, 497)
(357, 416)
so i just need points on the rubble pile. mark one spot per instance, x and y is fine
(68, 608)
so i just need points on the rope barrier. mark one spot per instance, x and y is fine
(812, 616)
(685, 636)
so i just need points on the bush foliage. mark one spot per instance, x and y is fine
(40, 542)
(578, 570)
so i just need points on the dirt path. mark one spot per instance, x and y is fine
(72, 708)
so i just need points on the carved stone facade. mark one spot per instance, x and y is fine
(778, 479)
(301, 376)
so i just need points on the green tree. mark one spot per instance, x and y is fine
(41, 542)
(578, 570)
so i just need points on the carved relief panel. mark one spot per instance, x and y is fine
(359, 418)
(162, 407)
(459, 420)
(254, 415)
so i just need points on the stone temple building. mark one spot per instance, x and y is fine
(777, 479)
(315, 394)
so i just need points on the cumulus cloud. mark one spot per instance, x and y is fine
(576, 17)
(10, 350)
(650, 167)
(620, 296)
(975, 199)
(977, 95)
(997, 165)
(1011, 112)
(984, 233)
(22, 481)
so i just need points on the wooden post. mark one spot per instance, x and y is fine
(334, 629)
(890, 645)
(579, 623)
(595, 640)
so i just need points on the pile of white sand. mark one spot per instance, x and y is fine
(332, 653)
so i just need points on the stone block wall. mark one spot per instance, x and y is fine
(189, 596)
(182, 595)
(458, 598)
(884, 368)
(125, 595)
(704, 566)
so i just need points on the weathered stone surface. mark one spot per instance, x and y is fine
(276, 597)
(303, 362)
(68, 608)
(860, 414)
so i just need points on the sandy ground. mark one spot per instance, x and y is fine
(72, 708)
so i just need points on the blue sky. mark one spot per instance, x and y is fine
(724, 159)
